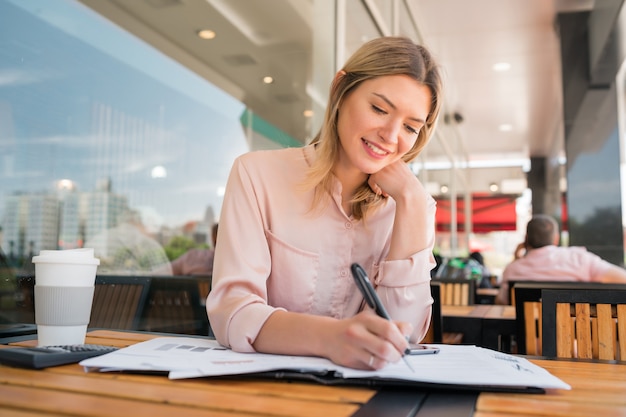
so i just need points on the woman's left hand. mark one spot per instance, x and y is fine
(393, 180)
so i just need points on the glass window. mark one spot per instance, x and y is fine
(407, 24)
(384, 9)
(104, 141)
(359, 27)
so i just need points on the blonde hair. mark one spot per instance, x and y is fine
(376, 58)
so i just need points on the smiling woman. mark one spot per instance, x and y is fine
(382, 118)
(302, 217)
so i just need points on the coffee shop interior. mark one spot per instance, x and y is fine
(119, 122)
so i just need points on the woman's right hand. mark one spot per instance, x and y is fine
(366, 341)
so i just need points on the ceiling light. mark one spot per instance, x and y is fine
(206, 34)
(493, 187)
(268, 80)
(444, 189)
(308, 113)
(501, 66)
(505, 127)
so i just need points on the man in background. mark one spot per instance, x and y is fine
(544, 260)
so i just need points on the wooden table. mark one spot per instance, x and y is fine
(598, 389)
(490, 326)
(486, 295)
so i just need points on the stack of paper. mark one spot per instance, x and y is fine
(454, 365)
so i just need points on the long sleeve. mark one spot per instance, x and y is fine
(404, 285)
(238, 299)
(275, 252)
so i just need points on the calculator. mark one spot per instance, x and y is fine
(47, 356)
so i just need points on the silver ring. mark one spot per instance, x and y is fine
(371, 362)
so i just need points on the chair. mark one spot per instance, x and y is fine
(23, 310)
(585, 323)
(119, 301)
(204, 286)
(539, 283)
(17, 310)
(434, 334)
(175, 306)
(528, 310)
(458, 292)
(528, 317)
(435, 331)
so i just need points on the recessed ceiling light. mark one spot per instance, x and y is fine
(501, 66)
(206, 34)
(268, 80)
(505, 127)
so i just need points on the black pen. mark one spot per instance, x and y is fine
(371, 298)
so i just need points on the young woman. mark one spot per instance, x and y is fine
(294, 220)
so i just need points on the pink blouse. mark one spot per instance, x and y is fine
(275, 253)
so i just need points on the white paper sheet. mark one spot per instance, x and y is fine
(185, 357)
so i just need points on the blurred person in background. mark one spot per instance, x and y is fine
(539, 258)
(129, 248)
(197, 261)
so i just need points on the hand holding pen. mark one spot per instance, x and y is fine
(371, 298)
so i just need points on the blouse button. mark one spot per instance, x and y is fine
(348, 225)
(343, 273)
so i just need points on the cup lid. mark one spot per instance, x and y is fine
(73, 256)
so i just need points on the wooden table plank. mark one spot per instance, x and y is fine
(484, 325)
(477, 310)
(69, 403)
(247, 386)
(500, 312)
(597, 390)
(202, 393)
(90, 393)
(545, 406)
(26, 413)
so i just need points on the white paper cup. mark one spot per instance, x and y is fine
(64, 286)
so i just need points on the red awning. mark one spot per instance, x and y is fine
(489, 213)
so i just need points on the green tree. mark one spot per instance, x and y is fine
(179, 245)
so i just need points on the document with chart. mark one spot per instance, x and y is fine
(455, 366)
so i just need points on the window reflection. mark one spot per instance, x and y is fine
(362, 28)
(98, 133)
